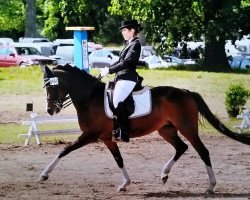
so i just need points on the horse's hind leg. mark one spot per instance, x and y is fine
(118, 158)
(84, 139)
(169, 133)
(204, 154)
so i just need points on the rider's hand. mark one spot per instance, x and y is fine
(104, 71)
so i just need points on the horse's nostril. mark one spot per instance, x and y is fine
(57, 110)
(50, 111)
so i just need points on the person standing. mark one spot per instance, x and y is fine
(126, 77)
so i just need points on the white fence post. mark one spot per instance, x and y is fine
(34, 120)
(245, 123)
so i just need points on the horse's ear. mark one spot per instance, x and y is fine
(42, 68)
(48, 73)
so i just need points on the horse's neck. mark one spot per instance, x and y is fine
(83, 88)
(84, 94)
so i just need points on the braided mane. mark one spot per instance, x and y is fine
(73, 69)
(68, 68)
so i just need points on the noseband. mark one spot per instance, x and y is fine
(57, 101)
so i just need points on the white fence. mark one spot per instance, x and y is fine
(34, 120)
(245, 120)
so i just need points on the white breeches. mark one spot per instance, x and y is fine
(122, 89)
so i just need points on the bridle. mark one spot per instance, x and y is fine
(52, 82)
(57, 101)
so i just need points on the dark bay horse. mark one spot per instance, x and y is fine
(173, 110)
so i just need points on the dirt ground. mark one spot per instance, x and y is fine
(91, 172)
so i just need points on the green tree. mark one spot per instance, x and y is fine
(11, 17)
(59, 14)
(189, 20)
(18, 18)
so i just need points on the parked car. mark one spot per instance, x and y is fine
(66, 51)
(22, 56)
(94, 46)
(65, 48)
(157, 62)
(115, 50)
(61, 60)
(172, 59)
(188, 62)
(45, 48)
(178, 61)
(32, 40)
(239, 62)
(102, 58)
(245, 63)
(147, 51)
(6, 41)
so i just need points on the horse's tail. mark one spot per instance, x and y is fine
(216, 123)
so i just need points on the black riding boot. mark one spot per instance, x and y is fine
(121, 128)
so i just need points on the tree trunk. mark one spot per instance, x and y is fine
(30, 25)
(215, 58)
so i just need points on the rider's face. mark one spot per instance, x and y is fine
(127, 34)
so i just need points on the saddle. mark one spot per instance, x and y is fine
(137, 104)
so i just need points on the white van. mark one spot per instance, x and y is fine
(6, 41)
(65, 48)
(66, 51)
(32, 40)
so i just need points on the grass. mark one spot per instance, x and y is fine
(16, 81)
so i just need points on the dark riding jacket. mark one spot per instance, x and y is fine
(125, 67)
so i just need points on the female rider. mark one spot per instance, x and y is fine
(126, 76)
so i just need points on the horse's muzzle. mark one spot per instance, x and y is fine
(50, 111)
(53, 111)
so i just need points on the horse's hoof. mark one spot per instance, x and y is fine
(43, 178)
(121, 189)
(164, 179)
(209, 193)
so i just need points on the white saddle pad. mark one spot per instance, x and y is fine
(142, 99)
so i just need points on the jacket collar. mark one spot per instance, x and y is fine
(133, 39)
(128, 45)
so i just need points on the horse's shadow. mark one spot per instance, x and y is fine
(178, 194)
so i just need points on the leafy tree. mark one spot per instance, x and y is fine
(59, 14)
(18, 16)
(190, 20)
(11, 17)
(51, 20)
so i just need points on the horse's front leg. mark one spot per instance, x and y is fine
(83, 140)
(118, 158)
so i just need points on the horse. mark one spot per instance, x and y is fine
(174, 111)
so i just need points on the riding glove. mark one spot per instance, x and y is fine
(104, 71)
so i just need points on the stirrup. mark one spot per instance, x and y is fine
(117, 136)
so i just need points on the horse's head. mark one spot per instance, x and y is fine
(67, 80)
(56, 93)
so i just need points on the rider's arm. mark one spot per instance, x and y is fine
(130, 60)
